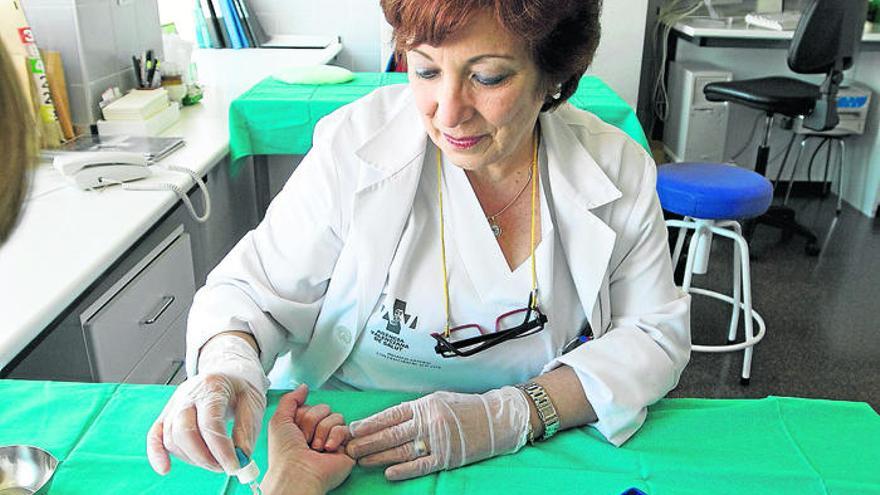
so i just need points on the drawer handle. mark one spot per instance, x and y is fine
(166, 303)
(172, 371)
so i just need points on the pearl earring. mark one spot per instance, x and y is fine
(558, 94)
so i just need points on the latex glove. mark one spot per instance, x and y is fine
(293, 466)
(443, 430)
(192, 426)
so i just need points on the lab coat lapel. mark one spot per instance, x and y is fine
(384, 199)
(387, 187)
(578, 185)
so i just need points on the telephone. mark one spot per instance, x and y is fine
(94, 169)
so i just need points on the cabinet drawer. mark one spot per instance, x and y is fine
(163, 363)
(132, 316)
(180, 376)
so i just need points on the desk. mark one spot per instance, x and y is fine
(754, 52)
(688, 446)
(739, 34)
(275, 118)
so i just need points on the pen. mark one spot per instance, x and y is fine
(143, 72)
(151, 68)
(137, 71)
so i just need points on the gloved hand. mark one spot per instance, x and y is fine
(443, 430)
(230, 384)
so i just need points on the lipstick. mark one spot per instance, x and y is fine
(463, 143)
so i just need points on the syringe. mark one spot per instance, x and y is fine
(248, 473)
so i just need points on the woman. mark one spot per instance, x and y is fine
(424, 212)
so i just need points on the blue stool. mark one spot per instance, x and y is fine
(712, 198)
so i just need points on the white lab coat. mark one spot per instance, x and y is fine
(306, 279)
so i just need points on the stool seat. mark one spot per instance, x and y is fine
(785, 95)
(713, 191)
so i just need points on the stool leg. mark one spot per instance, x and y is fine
(737, 285)
(827, 165)
(797, 161)
(840, 163)
(679, 244)
(747, 309)
(784, 160)
(699, 229)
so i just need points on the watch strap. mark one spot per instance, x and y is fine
(546, 411)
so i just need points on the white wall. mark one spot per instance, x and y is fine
(619, 59)
(355, 21)
(181, 15)
(96, 39)
(362, 27)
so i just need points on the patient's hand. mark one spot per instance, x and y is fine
(324, 430)
(294, 467)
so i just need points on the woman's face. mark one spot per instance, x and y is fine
(479, 94)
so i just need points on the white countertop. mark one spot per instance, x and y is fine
(703, 28)
(67, 238)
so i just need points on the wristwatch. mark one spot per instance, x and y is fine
(546, 410)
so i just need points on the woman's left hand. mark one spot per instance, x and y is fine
(443, 430)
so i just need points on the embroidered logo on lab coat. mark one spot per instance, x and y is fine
(395, 346)
(397, 316)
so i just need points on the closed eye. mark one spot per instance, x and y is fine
(426, 74)
(489, 80)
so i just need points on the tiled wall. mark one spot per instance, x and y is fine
(96, 39)
(357, 22)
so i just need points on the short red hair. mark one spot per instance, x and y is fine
(562, 35)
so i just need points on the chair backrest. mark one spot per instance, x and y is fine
(828, 36)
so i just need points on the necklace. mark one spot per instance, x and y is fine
(496, 229)
(493, 223)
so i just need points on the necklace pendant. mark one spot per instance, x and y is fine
(496, 229)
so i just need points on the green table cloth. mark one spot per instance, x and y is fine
(687, 446)
(276, 118)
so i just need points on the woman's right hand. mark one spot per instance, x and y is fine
(192, 426)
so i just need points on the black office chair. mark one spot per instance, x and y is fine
(825, 42)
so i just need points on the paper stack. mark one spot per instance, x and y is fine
(783, 21)
(139, 113)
